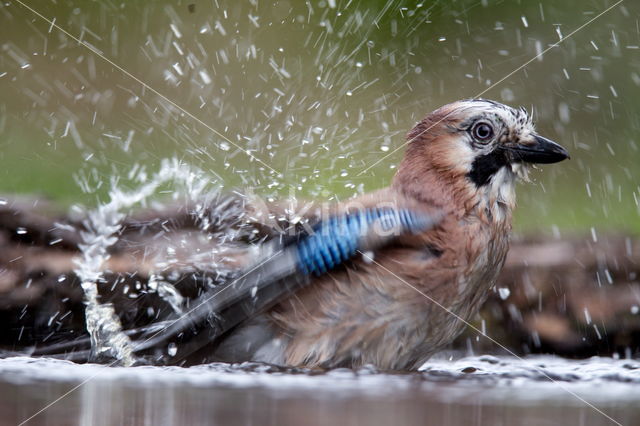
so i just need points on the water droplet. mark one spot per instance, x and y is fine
(504, 293)
(172, 349)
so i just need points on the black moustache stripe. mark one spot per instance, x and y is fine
(485, 166)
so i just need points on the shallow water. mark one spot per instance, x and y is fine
(475, 390)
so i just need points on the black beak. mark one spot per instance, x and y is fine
(541, 151)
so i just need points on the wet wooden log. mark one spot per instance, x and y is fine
(575, 296)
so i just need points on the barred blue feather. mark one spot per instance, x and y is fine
(337, 239)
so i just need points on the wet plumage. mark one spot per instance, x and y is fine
(338, 299)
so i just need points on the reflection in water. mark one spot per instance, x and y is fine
(480, 390)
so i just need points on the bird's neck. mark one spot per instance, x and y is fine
(432, 186)
(497, 199)
(453, 191)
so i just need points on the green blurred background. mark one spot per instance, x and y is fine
(318, 91)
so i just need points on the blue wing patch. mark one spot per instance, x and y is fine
(338, 238)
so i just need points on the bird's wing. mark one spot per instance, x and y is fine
(283, 267)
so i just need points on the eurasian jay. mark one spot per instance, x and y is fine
(361, 287)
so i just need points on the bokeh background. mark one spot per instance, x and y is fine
(322, 92)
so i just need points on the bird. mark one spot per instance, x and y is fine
(387, 278)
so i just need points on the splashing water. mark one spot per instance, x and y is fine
(101, 227)
(167, 292)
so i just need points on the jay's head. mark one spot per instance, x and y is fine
(477, 144)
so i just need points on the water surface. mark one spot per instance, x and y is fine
(475, 390)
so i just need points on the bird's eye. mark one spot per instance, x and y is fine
(482, 132)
